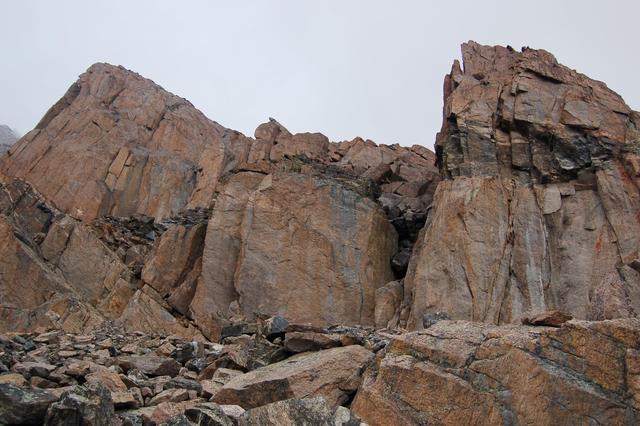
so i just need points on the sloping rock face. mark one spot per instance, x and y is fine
(458, 372)
(170, 223)
(540, 205)
(136, 147)
(7, 138)
(34, 292)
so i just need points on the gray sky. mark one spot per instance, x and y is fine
(344, 68)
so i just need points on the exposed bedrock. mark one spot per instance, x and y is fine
(168, 222)
(539, 208)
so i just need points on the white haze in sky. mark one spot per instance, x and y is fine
(344, 68)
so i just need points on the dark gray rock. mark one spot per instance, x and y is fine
(188, 351)
(83, 405)
(23, 406)
(208, 414)
(275, 327)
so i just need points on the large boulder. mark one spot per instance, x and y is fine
(295, 412)
(472, 373)
(333, 374)
(23, 406)
(82, 405)
(539, 206)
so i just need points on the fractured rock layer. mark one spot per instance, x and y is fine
(458, 372)
(540, 203)
(171, 223)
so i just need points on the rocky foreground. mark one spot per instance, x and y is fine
(275, 373)
(159, 268)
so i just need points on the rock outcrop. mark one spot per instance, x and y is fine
(458, 372)
(539, 205)
(170, 223)
(182, 273)
(137, 149)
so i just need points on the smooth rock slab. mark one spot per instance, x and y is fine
(333, 374)
(150, 364)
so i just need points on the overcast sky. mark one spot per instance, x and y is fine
(345, 68)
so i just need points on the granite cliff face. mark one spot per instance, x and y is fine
(167, 219)
(137, 234)
(539, 206)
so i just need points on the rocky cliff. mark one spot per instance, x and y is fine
(539, 206)
(169, 222)
(137, 234)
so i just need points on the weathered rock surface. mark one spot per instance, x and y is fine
(23, 406)
(333, 374)
(171, 231)
(295, 412)
(320, 251)
(471, 373)
(167, 218)
(539, 206)
(141, 149)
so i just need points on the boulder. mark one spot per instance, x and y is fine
(304, 342)
(23, 406)
(333, 374)
(14, 379)
(91, 406)
(207, 413)
(294, 412)
(109, 379)
(548, 318)
(170, 395)
(539, 204)
(150, 364)
(30, 369)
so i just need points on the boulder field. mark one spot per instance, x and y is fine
(159, 268)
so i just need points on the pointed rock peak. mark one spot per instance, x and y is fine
(502, 107)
